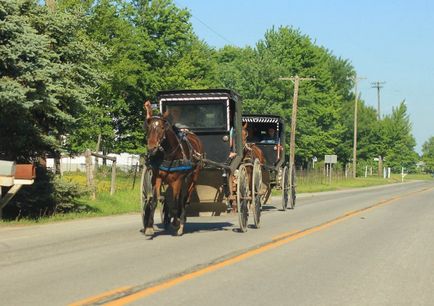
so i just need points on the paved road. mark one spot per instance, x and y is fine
(372, 246)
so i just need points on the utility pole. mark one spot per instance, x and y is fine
(378, 85)
(296, 80)
(355, 79)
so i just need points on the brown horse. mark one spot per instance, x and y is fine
(251, 151)
(175, 159)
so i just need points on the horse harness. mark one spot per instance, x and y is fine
(166, 163)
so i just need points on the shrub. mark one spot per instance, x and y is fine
(47, 196)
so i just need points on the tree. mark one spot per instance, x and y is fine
(255, 72)
(428, 154)
(47, 77)
(48, 80)
(152, 47)
(399, 142)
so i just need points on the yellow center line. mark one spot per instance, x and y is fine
(122, 296)
(283, 235)
(101, 296)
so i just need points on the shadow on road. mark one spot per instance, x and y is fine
(192, 227)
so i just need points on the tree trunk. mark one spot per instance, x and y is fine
(57, 159)
(51, 4)
(380, 166)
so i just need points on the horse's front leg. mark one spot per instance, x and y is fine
(150, 209)
(177, 198)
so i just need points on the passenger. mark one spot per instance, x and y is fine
(252, 135)
(232, 152)
(174, 117)
(270, 137)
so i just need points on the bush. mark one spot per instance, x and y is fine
(66, 194)
(47, 196)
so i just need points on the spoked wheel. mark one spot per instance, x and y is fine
(285, 187)
(242, 198)
(145, 191)
(256, 189)
(292, 189)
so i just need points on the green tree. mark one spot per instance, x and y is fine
(48, 80)
(428, 154)
(152, 47)
(370, 138)
(399, 142)
(255, 73)
(47, 77)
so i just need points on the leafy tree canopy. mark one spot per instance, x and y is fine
(428, 154)
(47, 77)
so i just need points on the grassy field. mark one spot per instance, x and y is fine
(127, 198)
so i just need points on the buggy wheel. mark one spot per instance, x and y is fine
(145, 191)
(256, 189)
(292, 189)
(242, 198)
(285, 187)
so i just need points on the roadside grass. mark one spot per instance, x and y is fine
(418, 176)
(318, 184)
(127, 199)
(345, 184)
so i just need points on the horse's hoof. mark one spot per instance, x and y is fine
(149, 231)
(180, 231)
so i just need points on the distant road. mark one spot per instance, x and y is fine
(370, 246)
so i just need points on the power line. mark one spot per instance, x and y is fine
(207, 26)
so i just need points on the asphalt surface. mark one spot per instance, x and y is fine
(370, 246)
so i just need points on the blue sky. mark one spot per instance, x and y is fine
(391, 41)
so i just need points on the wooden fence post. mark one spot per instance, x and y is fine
(113, 159)
(89, 174)
(113, 182)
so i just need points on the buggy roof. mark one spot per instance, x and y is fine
(189, 94)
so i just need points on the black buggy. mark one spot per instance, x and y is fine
(224, 184)
(268, 133)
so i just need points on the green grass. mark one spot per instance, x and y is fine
(125, 200)
(317, 183)
(421, 176)
(345, 184)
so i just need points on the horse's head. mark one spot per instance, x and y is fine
(156, 133)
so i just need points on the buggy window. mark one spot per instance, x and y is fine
(260, 132)
(198, 115)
